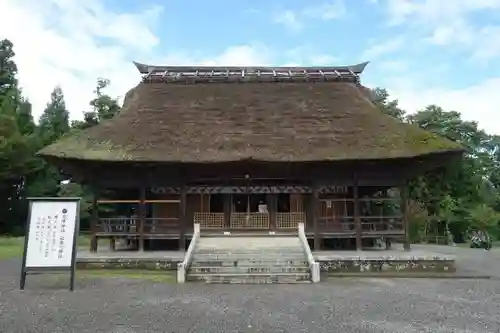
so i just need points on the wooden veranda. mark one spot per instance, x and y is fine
(328, 212)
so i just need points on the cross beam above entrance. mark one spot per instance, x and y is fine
(247, 189)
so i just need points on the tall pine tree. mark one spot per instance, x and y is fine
(54, 121)
(17, 148)
(53, 124)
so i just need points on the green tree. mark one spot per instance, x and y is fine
(76, 190)
(25, 120)
(53, 124)
(387, 106)
(451, 193)
(103, 107)
(8, 69)
(484, 218)
(54, 121)
(17, 140)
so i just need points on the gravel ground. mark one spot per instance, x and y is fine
(342, 305)
(469, 261)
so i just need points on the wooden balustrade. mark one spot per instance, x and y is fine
(381, 224)
(209, 220)
(163, 225)
(336, 224)
(289, 220)
(377, 215)
(131, 226)
(118, 225)
(368, 224)
(249, 221)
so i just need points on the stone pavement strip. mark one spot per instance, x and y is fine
(341, 305)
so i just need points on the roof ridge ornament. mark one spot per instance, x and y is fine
(184, 74)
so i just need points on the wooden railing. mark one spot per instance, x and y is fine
(377, 224)
(249, 221)
(343, 224)
(131, 226)
(290, 220)
(163, 225)
(118, 225)
(209, 220)
(377, 215)
(368, 224)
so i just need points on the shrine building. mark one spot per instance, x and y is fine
(250, 150)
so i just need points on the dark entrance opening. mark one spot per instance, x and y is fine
(243, 203)
(217, 203)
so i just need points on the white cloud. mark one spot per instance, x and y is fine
(323, 60)
(289, 19)
(237, 55)
(379, 49)
(449, 24)
(393, 66)
(478, 102)
(486, 45)
(306, 55)
(242, 55)
(435, 11)
(71, 43)
(326, 11)
(295, 20)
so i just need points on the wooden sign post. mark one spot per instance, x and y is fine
(50, 242)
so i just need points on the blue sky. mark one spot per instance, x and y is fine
(422, 51)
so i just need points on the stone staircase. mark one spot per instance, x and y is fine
(262, 259)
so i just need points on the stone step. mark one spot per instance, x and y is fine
(248, 269)
(264, 262)
(251, 255)
(231, 261)
(294, 250)
(236, 256)
(255, 239)
(256, 278)
(245, 234)
(249, 242)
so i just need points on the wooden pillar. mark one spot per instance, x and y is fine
(112, 243)
(272, 206)
(404, 213)
(142, 216)
(227, 210)
(94, 220)
(183, 218)
(315, 216)
(357, 218)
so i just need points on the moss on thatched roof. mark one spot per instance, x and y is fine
(221, 122)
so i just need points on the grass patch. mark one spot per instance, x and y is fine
(13, 247)
(163, 276)
(84, 241)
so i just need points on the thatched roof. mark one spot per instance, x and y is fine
(266, 121)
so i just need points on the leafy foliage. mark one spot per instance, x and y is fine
(465, 195)
(103, 107)
(22, 174)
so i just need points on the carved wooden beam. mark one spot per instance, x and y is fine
(256, 73)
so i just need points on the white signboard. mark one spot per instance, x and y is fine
(51, 233)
